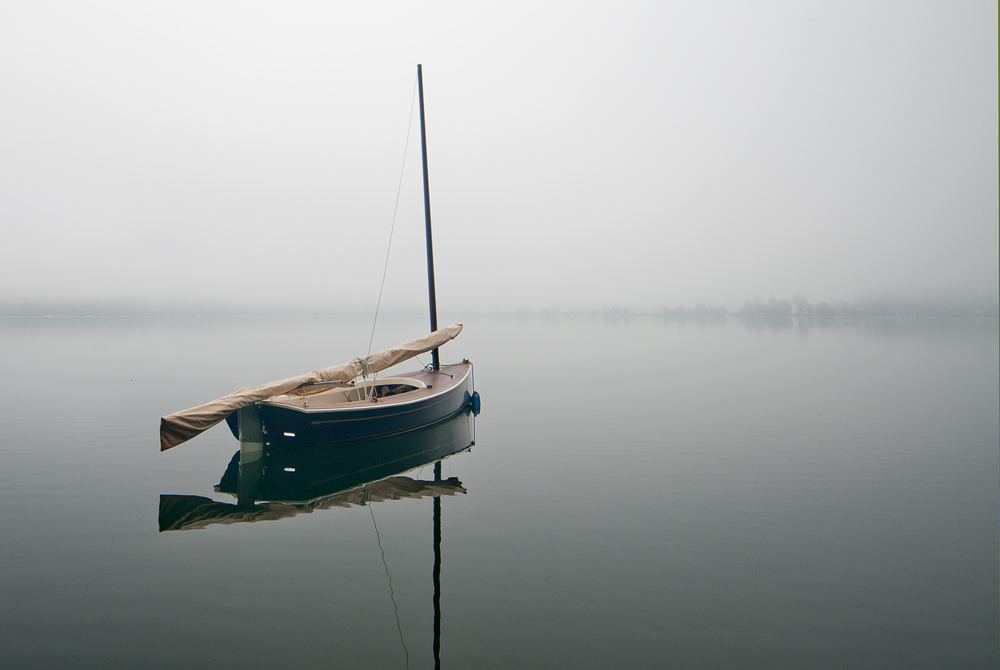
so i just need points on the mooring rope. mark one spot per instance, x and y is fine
(394, 211)
(391, 595)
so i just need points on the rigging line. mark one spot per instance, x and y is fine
(395, 209)
(392, 596)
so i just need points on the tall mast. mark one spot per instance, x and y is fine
(435, 360)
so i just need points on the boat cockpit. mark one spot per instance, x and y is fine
(350, 392)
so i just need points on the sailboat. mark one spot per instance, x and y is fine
(330, 405)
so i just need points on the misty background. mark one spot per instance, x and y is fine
(581, 154)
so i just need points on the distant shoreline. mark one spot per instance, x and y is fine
(526, 314)
(872, 306)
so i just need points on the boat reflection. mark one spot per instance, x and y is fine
(271, 484)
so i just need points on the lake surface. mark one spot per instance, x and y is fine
(641, 493)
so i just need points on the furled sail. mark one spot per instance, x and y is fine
(182, 426)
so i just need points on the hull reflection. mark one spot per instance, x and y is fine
(279, 483)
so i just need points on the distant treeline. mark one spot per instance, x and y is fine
(135, 308)
(99, 308)
(869, 306)
(700, 310)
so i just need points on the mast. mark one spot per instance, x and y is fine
(435, 360)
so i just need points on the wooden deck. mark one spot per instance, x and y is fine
(436, 382)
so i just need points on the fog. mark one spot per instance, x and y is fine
(581, 154)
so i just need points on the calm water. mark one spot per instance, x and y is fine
(642, 493)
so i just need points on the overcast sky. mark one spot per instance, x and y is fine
(581, 153)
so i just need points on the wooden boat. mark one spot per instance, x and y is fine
(329, 405)
(364, 410)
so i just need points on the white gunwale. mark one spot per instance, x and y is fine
(432, 384)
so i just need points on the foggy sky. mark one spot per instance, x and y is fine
(581, 153)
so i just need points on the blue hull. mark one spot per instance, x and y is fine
(288, 427)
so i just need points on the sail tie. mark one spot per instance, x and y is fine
(369, 391)
(365, 370)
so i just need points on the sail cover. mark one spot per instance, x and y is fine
(182, 426)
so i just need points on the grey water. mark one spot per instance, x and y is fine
(641, 493)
